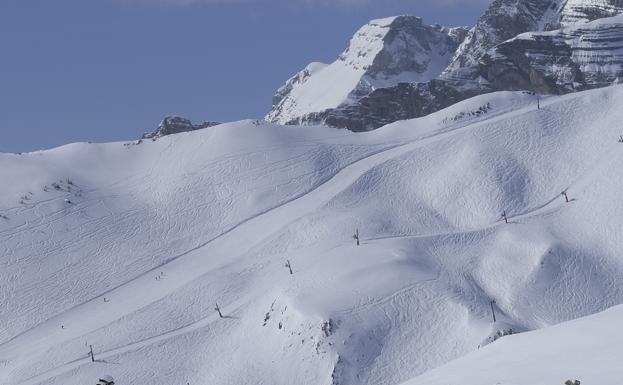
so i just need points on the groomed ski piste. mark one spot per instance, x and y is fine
(127, 247)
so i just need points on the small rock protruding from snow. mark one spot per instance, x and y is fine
(174, 125)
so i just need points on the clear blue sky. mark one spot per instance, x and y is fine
(106, 70)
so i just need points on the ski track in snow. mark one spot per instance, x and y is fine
(315, 198)
(226, 247)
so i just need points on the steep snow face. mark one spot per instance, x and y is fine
(128, 246)
(505, 19)
(588, 350)
(297, 81)
(583, 55)
(383, 53)
(317, 87)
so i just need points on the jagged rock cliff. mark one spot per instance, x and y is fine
(392, 70)
(571, 59)
(505, 19)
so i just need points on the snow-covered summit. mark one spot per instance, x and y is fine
(383, 53)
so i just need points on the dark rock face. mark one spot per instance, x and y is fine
(404, 101)
(576, 58)
(503, 20)
(174, 125)
(409, 44)
(408, 48)
(387, 105)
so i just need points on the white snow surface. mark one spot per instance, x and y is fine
(165, 229)
(588, 350)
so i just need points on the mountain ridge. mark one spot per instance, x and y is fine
(383, 53)
(489, 58)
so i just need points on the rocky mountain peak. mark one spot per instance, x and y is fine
(400, 68)
(384, 52)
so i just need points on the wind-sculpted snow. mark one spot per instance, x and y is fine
(128, 247)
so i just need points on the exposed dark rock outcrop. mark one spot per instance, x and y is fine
(174, 125)
(387, 105)
(576, 58)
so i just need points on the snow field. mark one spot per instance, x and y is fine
(167, 228)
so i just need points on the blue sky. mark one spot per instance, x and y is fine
(106, 70)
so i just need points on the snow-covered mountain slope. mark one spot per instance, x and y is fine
(127, 247)
(584, 55)
(505, 19)
(588, 350)
(383, 53)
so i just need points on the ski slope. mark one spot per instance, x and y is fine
(128, 246)
(589, 349)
